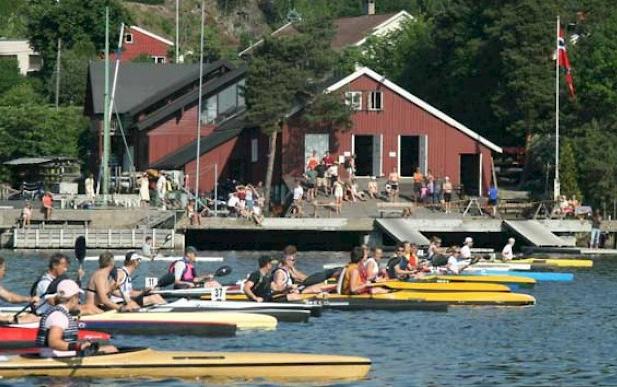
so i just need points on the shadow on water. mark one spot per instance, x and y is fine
(568, 338)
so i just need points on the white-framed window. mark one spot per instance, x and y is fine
(254, 150)
(159, 59)
(128, 38)
(354, 99)
(375, 101)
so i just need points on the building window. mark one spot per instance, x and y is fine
(254, 150)
(375, 100)
(159, 59)
(228, 100)
(354, 99)
(128, 38)
(241, 90)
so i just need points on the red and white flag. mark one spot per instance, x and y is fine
(564, 62)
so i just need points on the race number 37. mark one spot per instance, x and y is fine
(218, 294)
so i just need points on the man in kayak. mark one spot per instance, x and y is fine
(507, 254)
(286, 278)
(58, 266)
(101, 286)
(257, 286)
(397, 267)
(125, 294)
(456, 263)
(371, 264)
(185, 273)
(13, 298)
(58, 329)
(354, 277)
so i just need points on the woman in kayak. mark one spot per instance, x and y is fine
(125, 294)
(354, 277)
(58, 329)
(185, 273)
(14, 298)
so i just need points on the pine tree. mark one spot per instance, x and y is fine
(568, 171)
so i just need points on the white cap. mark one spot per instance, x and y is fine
(468, 240)
(68, 288)
(511, 241)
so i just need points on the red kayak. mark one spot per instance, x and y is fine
(18, 338)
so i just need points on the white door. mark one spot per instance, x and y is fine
(316, 142)
(423, 154)
(377, 154)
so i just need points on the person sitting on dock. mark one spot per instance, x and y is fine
(397, 265)
(506, 253)
(58, 329)
(257, 286)
(125, 294)
(13, 298)
(185, 273)
(354, 278)
(102, 284)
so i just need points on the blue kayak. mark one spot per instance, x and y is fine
(537, 275)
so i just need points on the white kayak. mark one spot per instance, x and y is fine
(500, 266)
(239, 306)
(161, 258)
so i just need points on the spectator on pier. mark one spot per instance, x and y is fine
(437, 196)
(447, 193)
(47, 201)
(338, 190)
(192, 214)
(89, 187)
(492, 199)
(328, 160)
(298, 195)
(312, 161)
(144, 190)
(393, 185)
(332, 174)
(232, 204)
(26, 215)
(311, 184)
(418, 179)
(320, 179)
(373, 188)
(161, 189)
(596, 224)
(147, 250)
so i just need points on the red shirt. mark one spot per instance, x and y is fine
(328, 160)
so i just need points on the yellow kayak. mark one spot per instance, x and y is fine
(113, 319)
(443, 286)
(498, 279)
(556, 262)
(139, 362)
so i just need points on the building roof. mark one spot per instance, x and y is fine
(152, 35)
(350, 31)
(142, 84)
(365, 71)
(38, 160)
(226, 131)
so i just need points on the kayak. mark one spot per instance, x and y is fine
(443, 286)
(501, 266)
(557, 262)
(18, 338)
(184, 304)
(499, 278)
(148, 363)
(160, 258)
(196, 292)
(271, 309)
(537, 275)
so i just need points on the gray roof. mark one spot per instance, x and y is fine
(141, 84)
(37, 160)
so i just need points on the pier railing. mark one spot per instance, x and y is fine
(64, 238)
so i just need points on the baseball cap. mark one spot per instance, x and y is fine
(68, 288)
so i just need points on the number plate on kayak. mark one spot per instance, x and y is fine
(151, 282)
(218, 294)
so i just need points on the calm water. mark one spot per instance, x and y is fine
(568, 338)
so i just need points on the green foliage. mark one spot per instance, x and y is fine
(73, 73)
(22, 94)
(568, 172)
(149, 2)
(9, 74)
(12, 23)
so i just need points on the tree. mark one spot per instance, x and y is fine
(568, 172)
(283, 75)
(73, 74)
(21, 94)
(9, 74)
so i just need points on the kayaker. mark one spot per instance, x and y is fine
(434, 247)
(456, 264)
(371, 264)
(14, 298)
(101, 286)
(507, 254)
(257, 286)
(466, 249)
(58, 266)
(354, 277)
(125, 294)
(397, 265)
(58, 329)
(286, 278)
(411, 253)
(185, 273)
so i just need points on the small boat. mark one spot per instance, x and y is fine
(148, 363)
(20, 338)
(160, 258)
(556, 262)
(282, 312)
(541, 276)
(498, 279)
(197, 292)
(443, 286)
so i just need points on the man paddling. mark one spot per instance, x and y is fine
(13, 298)
(354, 277)
(397, 267)
(185, 273)
(286, 278)
(125, 294)
(58, 266)
(101, 286)
(257, 286)
(58, 329)
(371, 264)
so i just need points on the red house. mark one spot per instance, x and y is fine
(394, 130)
(138, 41)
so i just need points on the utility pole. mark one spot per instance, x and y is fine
(201, 74)
(177, 29)
(556, 183)
(106, 117)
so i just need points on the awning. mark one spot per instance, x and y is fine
(402, 230)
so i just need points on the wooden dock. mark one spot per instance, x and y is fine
(64, 238)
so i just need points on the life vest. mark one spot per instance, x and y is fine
(69, 335)
(51, 288)
(288, 278)
(346, 287)
(189, 273)
(391, 266)
(261, 288)
(371, 262)
(126, 286)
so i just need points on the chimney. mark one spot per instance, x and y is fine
(369, 7)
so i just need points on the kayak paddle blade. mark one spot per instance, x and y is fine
(80, 249)
(222, 271)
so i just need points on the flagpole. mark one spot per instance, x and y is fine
(201, 71)
(556, 185)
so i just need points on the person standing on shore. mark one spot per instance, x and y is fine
(26, 215)
(447, 193)
(48, 202)
(144, 191)
(596, 224)
(89, 187)
(161, 189)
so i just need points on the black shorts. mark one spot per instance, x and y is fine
(394, 186)
(447, 196)
(310, 185)
(492, 202)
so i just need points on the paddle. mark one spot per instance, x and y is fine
(170, 278)
(321, 276)
(80, 254)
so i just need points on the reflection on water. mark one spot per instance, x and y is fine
(569, 337)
